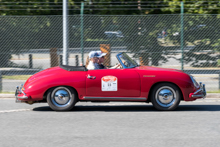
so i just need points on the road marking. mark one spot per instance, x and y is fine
(17, 110)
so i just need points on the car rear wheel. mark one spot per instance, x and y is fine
(61, 98)
(165, 96)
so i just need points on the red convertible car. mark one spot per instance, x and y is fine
(62, 87)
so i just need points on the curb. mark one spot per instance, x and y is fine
(7, 95)
(213, 95)
(209, 95)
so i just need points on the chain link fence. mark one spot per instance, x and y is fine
(32, 43)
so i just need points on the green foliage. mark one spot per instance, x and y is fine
(32, 7)
(193, 7)
(140, 31)
(142, 38)
(108, 7)
(16, 77)
(217, 91)
(201, 32)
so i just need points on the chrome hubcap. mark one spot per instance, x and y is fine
(165, 96)
(61, 97)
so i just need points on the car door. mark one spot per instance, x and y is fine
(113, 83)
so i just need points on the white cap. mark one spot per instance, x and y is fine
(97, 54)
(93, 54)
(100, 54)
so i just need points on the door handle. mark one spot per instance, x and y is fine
(91, 77)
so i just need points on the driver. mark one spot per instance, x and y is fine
(101, 59)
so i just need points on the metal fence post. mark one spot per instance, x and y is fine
(30, 61)
(61, 59)
(77, 60)
(182, 35)
(65, 32)
(82, 45)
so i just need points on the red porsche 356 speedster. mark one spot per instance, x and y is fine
(63, 86)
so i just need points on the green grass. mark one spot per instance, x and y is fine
(7, 92)
(216, 91)
(16, 77)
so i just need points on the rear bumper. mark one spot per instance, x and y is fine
(20, 96)
(200, 93)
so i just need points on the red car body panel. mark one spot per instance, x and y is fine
(131, 82)
(154, 75)
(38, 84)
(128, 83)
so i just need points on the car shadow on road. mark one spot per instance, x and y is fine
(133, 108)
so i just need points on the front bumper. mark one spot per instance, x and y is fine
(200, 93)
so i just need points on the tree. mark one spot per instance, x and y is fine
(140, 31)
(205, 39)
(201, 33)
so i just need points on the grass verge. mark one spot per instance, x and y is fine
(216, 91)
(7, 92)
(16, 77)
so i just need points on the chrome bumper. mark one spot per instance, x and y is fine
(200, 93)
(20, 92)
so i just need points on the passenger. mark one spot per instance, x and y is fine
(87, 62)
(93, 61)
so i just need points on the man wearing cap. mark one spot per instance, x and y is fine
(101, 58)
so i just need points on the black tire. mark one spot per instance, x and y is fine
(61, 98)
(165, 96)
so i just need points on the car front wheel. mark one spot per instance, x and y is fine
(61, 98)
(165, 96)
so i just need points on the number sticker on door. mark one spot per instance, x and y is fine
(109, 83)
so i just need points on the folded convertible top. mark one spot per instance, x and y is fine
(73, 68)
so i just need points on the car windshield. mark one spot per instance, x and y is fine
(126, 61)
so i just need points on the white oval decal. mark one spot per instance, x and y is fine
(109, 83)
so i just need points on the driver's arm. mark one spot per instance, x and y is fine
(116, 66)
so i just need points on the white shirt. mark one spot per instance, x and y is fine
(91, 66)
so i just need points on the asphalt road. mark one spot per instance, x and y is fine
(115, 124)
